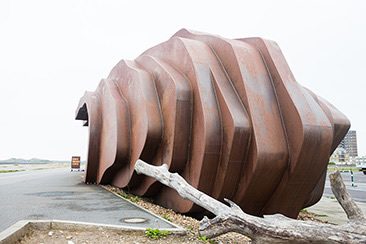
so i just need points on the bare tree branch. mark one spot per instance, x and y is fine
(271, 228)
(344, 198)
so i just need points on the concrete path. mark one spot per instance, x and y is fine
(330, 210)
(61, 194)
(328, 207)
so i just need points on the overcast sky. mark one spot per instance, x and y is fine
(52, 51)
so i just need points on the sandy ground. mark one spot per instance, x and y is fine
(85, 237)
(29, 167)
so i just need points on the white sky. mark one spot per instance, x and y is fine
(52, 51)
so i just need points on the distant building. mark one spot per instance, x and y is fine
(346, 152)
(359, 160)
(349, 143)
(340, 156)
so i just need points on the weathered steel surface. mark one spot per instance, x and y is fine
(228, 115)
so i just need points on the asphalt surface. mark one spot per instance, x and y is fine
(62, 195)
(357, 191)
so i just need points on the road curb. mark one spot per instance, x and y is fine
(14, 232)
(17, 231)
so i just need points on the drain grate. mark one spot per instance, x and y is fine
(133, 220)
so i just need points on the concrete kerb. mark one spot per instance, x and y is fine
(14, 232)
(143, 209)
(22, 227)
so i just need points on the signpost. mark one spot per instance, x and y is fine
(75, 163)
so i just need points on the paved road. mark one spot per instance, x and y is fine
(61, 194)
(358, 191)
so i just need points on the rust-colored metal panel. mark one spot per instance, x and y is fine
(247, 72)
(339, 125)
(308, 130)
(227, 115)
(89, 111)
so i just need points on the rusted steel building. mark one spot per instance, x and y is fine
(227, 115)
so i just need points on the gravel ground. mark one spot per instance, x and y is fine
(86, 237)
(189, 223)
(108, 236)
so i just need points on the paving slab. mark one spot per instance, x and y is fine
(61, 194)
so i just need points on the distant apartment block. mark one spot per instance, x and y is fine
(349, 143)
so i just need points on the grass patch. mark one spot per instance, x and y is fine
(167, 217)
(304, 211)
(156, 233)
(205, 239)
(342, 168)
(10, 170)
(129, 196)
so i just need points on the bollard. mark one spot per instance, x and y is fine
(352, 180)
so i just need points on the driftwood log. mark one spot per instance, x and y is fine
(271, 228)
